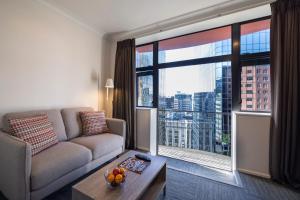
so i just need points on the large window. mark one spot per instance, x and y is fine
(196, 80)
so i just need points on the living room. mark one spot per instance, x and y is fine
(149, 99)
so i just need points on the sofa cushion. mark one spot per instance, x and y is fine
(100, 144)
(93, 123)
(72, 120)
(37, 131)
(54, 117)
(56, 162)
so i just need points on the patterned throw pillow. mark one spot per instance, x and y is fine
(37, 131)
(93, 123)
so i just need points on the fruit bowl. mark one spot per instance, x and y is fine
(115, 177)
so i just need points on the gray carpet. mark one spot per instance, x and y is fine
(203, 171)
(189, 187)
(184, 186)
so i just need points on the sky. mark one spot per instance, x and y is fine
(189, 79)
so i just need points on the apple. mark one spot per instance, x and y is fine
(116, 171)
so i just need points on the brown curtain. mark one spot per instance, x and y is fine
(285, 79)
(124, 88)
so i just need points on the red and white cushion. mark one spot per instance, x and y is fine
(37, 131)
(93, 123)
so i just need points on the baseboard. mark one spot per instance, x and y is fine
(143, 149)
(254, 173)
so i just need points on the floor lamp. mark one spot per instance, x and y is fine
(109, 84)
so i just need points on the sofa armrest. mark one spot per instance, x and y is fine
(15, 167)
(117, 126)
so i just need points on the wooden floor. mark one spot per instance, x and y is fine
(196, 156)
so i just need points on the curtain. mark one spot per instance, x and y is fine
(124, 88)
(285, 79)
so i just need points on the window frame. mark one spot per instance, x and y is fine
(237, 60)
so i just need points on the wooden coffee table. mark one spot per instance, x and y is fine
(147, 185)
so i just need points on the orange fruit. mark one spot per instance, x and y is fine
(110, 177)
(119, 178)
(122, 170)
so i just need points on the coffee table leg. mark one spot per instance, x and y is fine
(164, 192)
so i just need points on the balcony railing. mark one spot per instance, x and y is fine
(205, 131)
(188, 132)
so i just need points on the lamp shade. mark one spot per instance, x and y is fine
(109, 83)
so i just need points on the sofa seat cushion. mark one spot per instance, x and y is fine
(57, 161)
(101, 144)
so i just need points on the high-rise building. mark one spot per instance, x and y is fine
(203, 125)
(178, 133)
(166, 103)
(145, 90)
(183, 102)
(175, 125)
(223, 108)
(174, 131)
(144, 59)
(146, 97)
(182, 106)
(256, 88)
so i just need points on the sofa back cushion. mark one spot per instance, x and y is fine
(37, 131)
(72, 120)
(53, 115)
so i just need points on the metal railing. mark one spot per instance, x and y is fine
(206, 131)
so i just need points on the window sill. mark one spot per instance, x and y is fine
(252, 113)
(144, 108)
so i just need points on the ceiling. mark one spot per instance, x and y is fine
(112, 16)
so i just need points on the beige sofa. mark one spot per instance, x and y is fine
(23, 177)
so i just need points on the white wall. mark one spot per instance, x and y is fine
(252, 143)
(47, 60)
(109, 72)
(146, 129)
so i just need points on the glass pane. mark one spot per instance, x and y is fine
(210, 43)
(256, 88)
(144, 56)
(195, 107)
(255, 37)
(145, 90)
